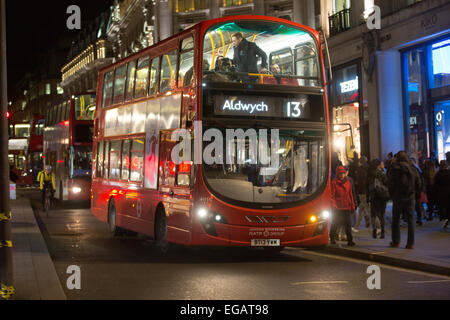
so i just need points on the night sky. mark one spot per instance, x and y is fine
(33, 26)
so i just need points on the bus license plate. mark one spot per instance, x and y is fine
(265, 242)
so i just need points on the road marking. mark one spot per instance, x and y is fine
(428, 274)
(319, 282)
(429, 281)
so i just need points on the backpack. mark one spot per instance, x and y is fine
(405, 183)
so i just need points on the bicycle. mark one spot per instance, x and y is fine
(48, 199)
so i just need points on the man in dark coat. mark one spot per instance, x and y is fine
(442, 186)
(403, 183)
(246, 57)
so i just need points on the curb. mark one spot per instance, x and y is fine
(388, 260)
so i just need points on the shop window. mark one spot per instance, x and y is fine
(414, 84)
(190, 5)
(442, 120)
(440, 64)
(345, 118)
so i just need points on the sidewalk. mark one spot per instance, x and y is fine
(35, 276)
(431, 251)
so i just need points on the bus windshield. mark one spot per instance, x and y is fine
(81, 162)
(300, 172)
(260, 52)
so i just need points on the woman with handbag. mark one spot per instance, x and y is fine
(378, 195)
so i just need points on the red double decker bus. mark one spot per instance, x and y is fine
(68, 145)
(35, 155)
(19, 134)
(202, 83)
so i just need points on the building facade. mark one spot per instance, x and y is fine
(90, 51)
(390, 84)
(389, 90)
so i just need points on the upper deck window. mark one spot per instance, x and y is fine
(260, 52)
(85, 107)
(131, 73)
(186, 72)
(141, 86)
(168, 71)
(119, 84)
(107, 88)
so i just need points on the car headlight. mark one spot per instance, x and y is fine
(76, 190)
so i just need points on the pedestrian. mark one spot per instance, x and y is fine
(335, 162)
(361, 186)
(419, 193)
(403, 183)
(442, 186)
(353, 165)
(378, 195)
(343, 205)
(355, 199)
(246, 56)
(429, 178)
(388, 161)
(434, 159)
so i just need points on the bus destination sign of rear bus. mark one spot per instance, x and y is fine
(295, 108)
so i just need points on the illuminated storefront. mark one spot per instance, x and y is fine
(426, 82)
(346, 114)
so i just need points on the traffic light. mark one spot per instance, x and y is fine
(8, 114)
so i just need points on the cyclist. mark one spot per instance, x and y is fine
(46, 178)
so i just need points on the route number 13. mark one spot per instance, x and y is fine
(294, 110)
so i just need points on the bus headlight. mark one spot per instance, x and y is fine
(325, 214)
(202, 213)
(76, 190)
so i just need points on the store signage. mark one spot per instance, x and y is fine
(439, 118)
(349, 86)
(250, 106)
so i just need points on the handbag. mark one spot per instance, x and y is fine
(381, 191)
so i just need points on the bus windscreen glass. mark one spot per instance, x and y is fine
(260, 52)
(300, 172)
